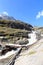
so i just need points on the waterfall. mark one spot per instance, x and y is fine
(32, 38)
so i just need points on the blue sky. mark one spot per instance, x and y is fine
(29, 11)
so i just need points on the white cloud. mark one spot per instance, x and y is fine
(5, 13)
(40, 14)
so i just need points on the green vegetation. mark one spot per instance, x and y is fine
(12, 30)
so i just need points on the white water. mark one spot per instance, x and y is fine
(32, 38)
(8, 57)
(7, 54)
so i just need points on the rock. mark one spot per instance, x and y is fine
(4, 40)
(6, 49)
(22, 41)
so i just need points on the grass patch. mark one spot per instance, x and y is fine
(32, 52)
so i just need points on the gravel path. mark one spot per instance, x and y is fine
(33, 56)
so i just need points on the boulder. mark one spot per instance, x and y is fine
(22, 41)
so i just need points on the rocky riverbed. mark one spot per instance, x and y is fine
(25, 57)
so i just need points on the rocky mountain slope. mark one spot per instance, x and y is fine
(12, 29)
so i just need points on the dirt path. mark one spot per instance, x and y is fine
(32, 56)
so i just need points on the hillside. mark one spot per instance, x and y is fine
(12, 30)
(38, 28)
(15, 24)
(10, 21)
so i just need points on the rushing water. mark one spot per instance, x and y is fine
(8, 57)
(32, 38)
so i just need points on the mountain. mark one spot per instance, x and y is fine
(13, 23)
(6, 17)
(12, 29)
